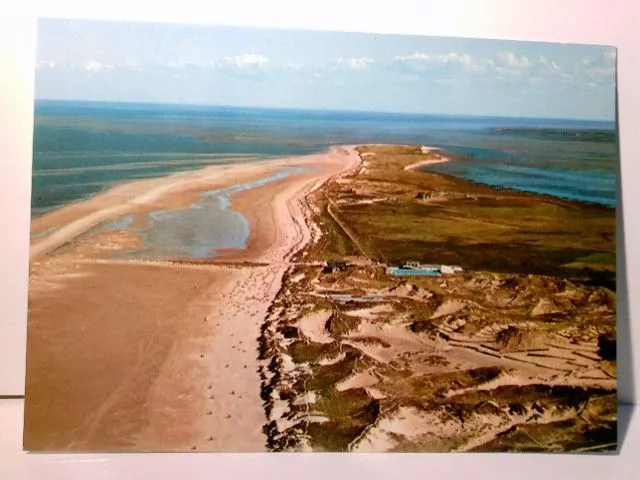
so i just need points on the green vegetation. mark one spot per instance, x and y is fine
(567, 134)
(349, 412)
(476, 227)
(333, 243)
(595, 429)
(325, 377)
(302, 351)
(420, 389)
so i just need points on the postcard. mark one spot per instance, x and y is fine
(263, 240)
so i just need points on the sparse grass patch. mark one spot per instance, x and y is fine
(302, 351)
(325, 377)
(349, 412)
(333, 243)
(566, 435)
(341, 324)
(421, 389)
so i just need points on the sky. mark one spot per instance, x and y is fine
(251, 67)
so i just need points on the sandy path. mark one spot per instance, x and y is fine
(157, 358)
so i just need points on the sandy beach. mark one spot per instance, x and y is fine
(433, 156)
(157, 356)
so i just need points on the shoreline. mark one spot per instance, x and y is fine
(525, 193)
(427, 150)
(41, 224)
(444, 158)
(180, 339)
(171, 192)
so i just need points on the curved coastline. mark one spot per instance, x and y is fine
(172, 192)
(448, 157)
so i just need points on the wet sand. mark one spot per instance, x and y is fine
(144, 356)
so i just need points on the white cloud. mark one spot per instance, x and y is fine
(46, 64)
(513, 60)
(177, 64)
(598, 68)
(356, 63)
(413, 57)
(450, 57)
(246, 60)
(93, 66)
(549, 65)
(465, 61)
(601, 71)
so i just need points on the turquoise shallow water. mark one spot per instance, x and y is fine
(199, 230)
(81, 148)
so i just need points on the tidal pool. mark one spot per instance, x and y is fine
(204, 227)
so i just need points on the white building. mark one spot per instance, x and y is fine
(449, 269)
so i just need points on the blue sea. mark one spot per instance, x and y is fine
(82, 148)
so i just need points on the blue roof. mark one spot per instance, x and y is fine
(431, 272)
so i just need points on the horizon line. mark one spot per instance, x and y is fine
(320, 109)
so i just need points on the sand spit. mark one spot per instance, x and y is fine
(435, 156)
(227, 381)
(192, 382)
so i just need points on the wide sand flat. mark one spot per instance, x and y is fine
(153, 356)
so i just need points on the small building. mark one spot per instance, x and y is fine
(412, 264)
(450, 269)
(335, 265)
(419, 271)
